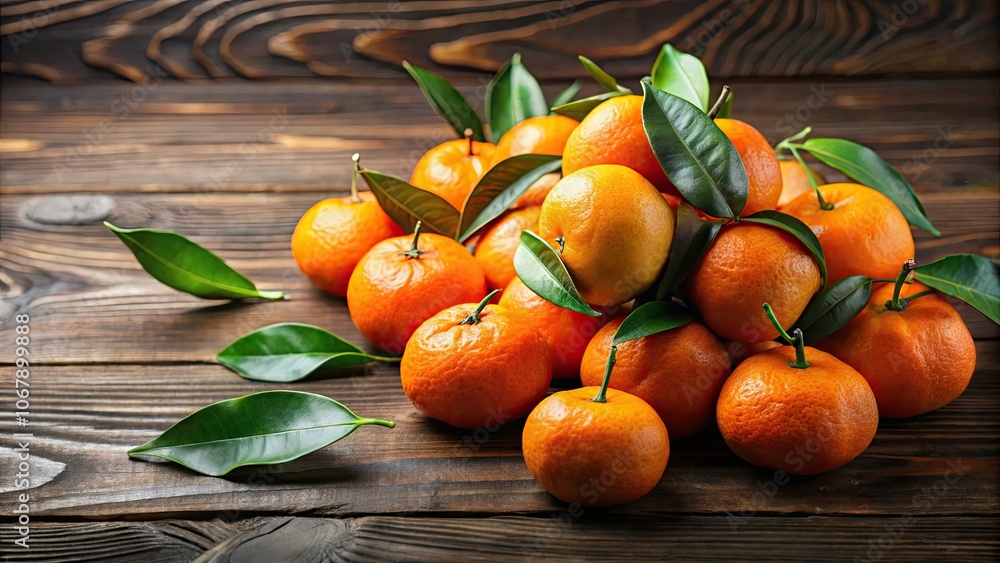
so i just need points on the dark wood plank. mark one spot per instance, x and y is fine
(86, 417)
(61, 266)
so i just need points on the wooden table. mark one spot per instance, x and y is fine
(233, 163)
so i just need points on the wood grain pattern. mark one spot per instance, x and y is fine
(193, 39)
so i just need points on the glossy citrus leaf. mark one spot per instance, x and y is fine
(828, 311)
(580, 108)
(603, 78)
(542, 270)
(500, 187)
(695, 154)
(258, 429)
(566, 96)
(682, 75)
(797, 229)
(692, 238)
(185, 266)
(971, 278)
(651, 318)
(512, 96)
(868, 168)
(407, 204)
(447, 102)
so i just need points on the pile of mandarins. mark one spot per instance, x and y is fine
(614, 220)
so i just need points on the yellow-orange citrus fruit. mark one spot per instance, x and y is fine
(739, 351)
(566, 332)
(475, 371)
(537, 192)
(616, 230)
(612, 133)
(679, 372)
(393, 290)
(915, 360)
(864, 233)
(794, 181)
(595, 454)
(801, 421)
(334, 234)
(495, 249)
(761, 164)
(750, 264)
(453, 168)
(536, 135)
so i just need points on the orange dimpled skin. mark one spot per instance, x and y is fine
(566, 332)
(334, 234)
(679, 372)
(595, 454)
(495, 249)
(763, 170)
(476, 375)
(794, 181)
(451, 169)
(391, 294)
(801, 421)
(916, 360)
(864, 233)
(545, 134)
(613, 134)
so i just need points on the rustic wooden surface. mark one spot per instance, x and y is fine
(233, 163)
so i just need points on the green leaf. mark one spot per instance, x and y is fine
(258, 429)
(542, 270)
(682, 75)
(447, 102)
(602, 78)
(185, 266)
(499, 188)
(696, 155)
(797, 229)
(692, 239)
(866, 167)
(971, 278)
(828, 311)
(652, 318)
(406, 204)
(288, 352)
(513, 96)
(566, 95)
(580, 108)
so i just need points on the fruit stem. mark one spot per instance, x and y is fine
(468, 137)
(897, 304)
(916, 295)
(726, 91)
(823, 204)
(561, 241)
(378, 421)
(354, 178)
(796, 137)
(414, 252)
(796, 339)
(601, 396)
(473, 318)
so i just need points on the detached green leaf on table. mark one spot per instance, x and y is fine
(258, 429)
(566, 96)
(512, 96)
(692, 238)
(580, 108)
(289, 352)
(185, 266)
(830, 310)
(542, 270)
(500, 187)
(695, 154)
(407, 204)
(651, 318)
(447, 102)
(603, 78)
(682, 75)
(971, 278)
(868, 168)
(797, 229)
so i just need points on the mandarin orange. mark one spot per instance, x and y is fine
(451, 169)
(794, 181)
(763, 170)
(495, 248)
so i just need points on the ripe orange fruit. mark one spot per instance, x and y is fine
(760, 162)
(334, 234)
(612, 134)
(403, 281)
(495, 249)
(864, 233)
(595, 454)
(916, 360)
(546, 134)
(801, 421)
(747, 265)
(453, 168)
(475, 366)
(794, 181)
(535, 194)
(739, 351)
(566, 332)
(616, 230)
(679, 372)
